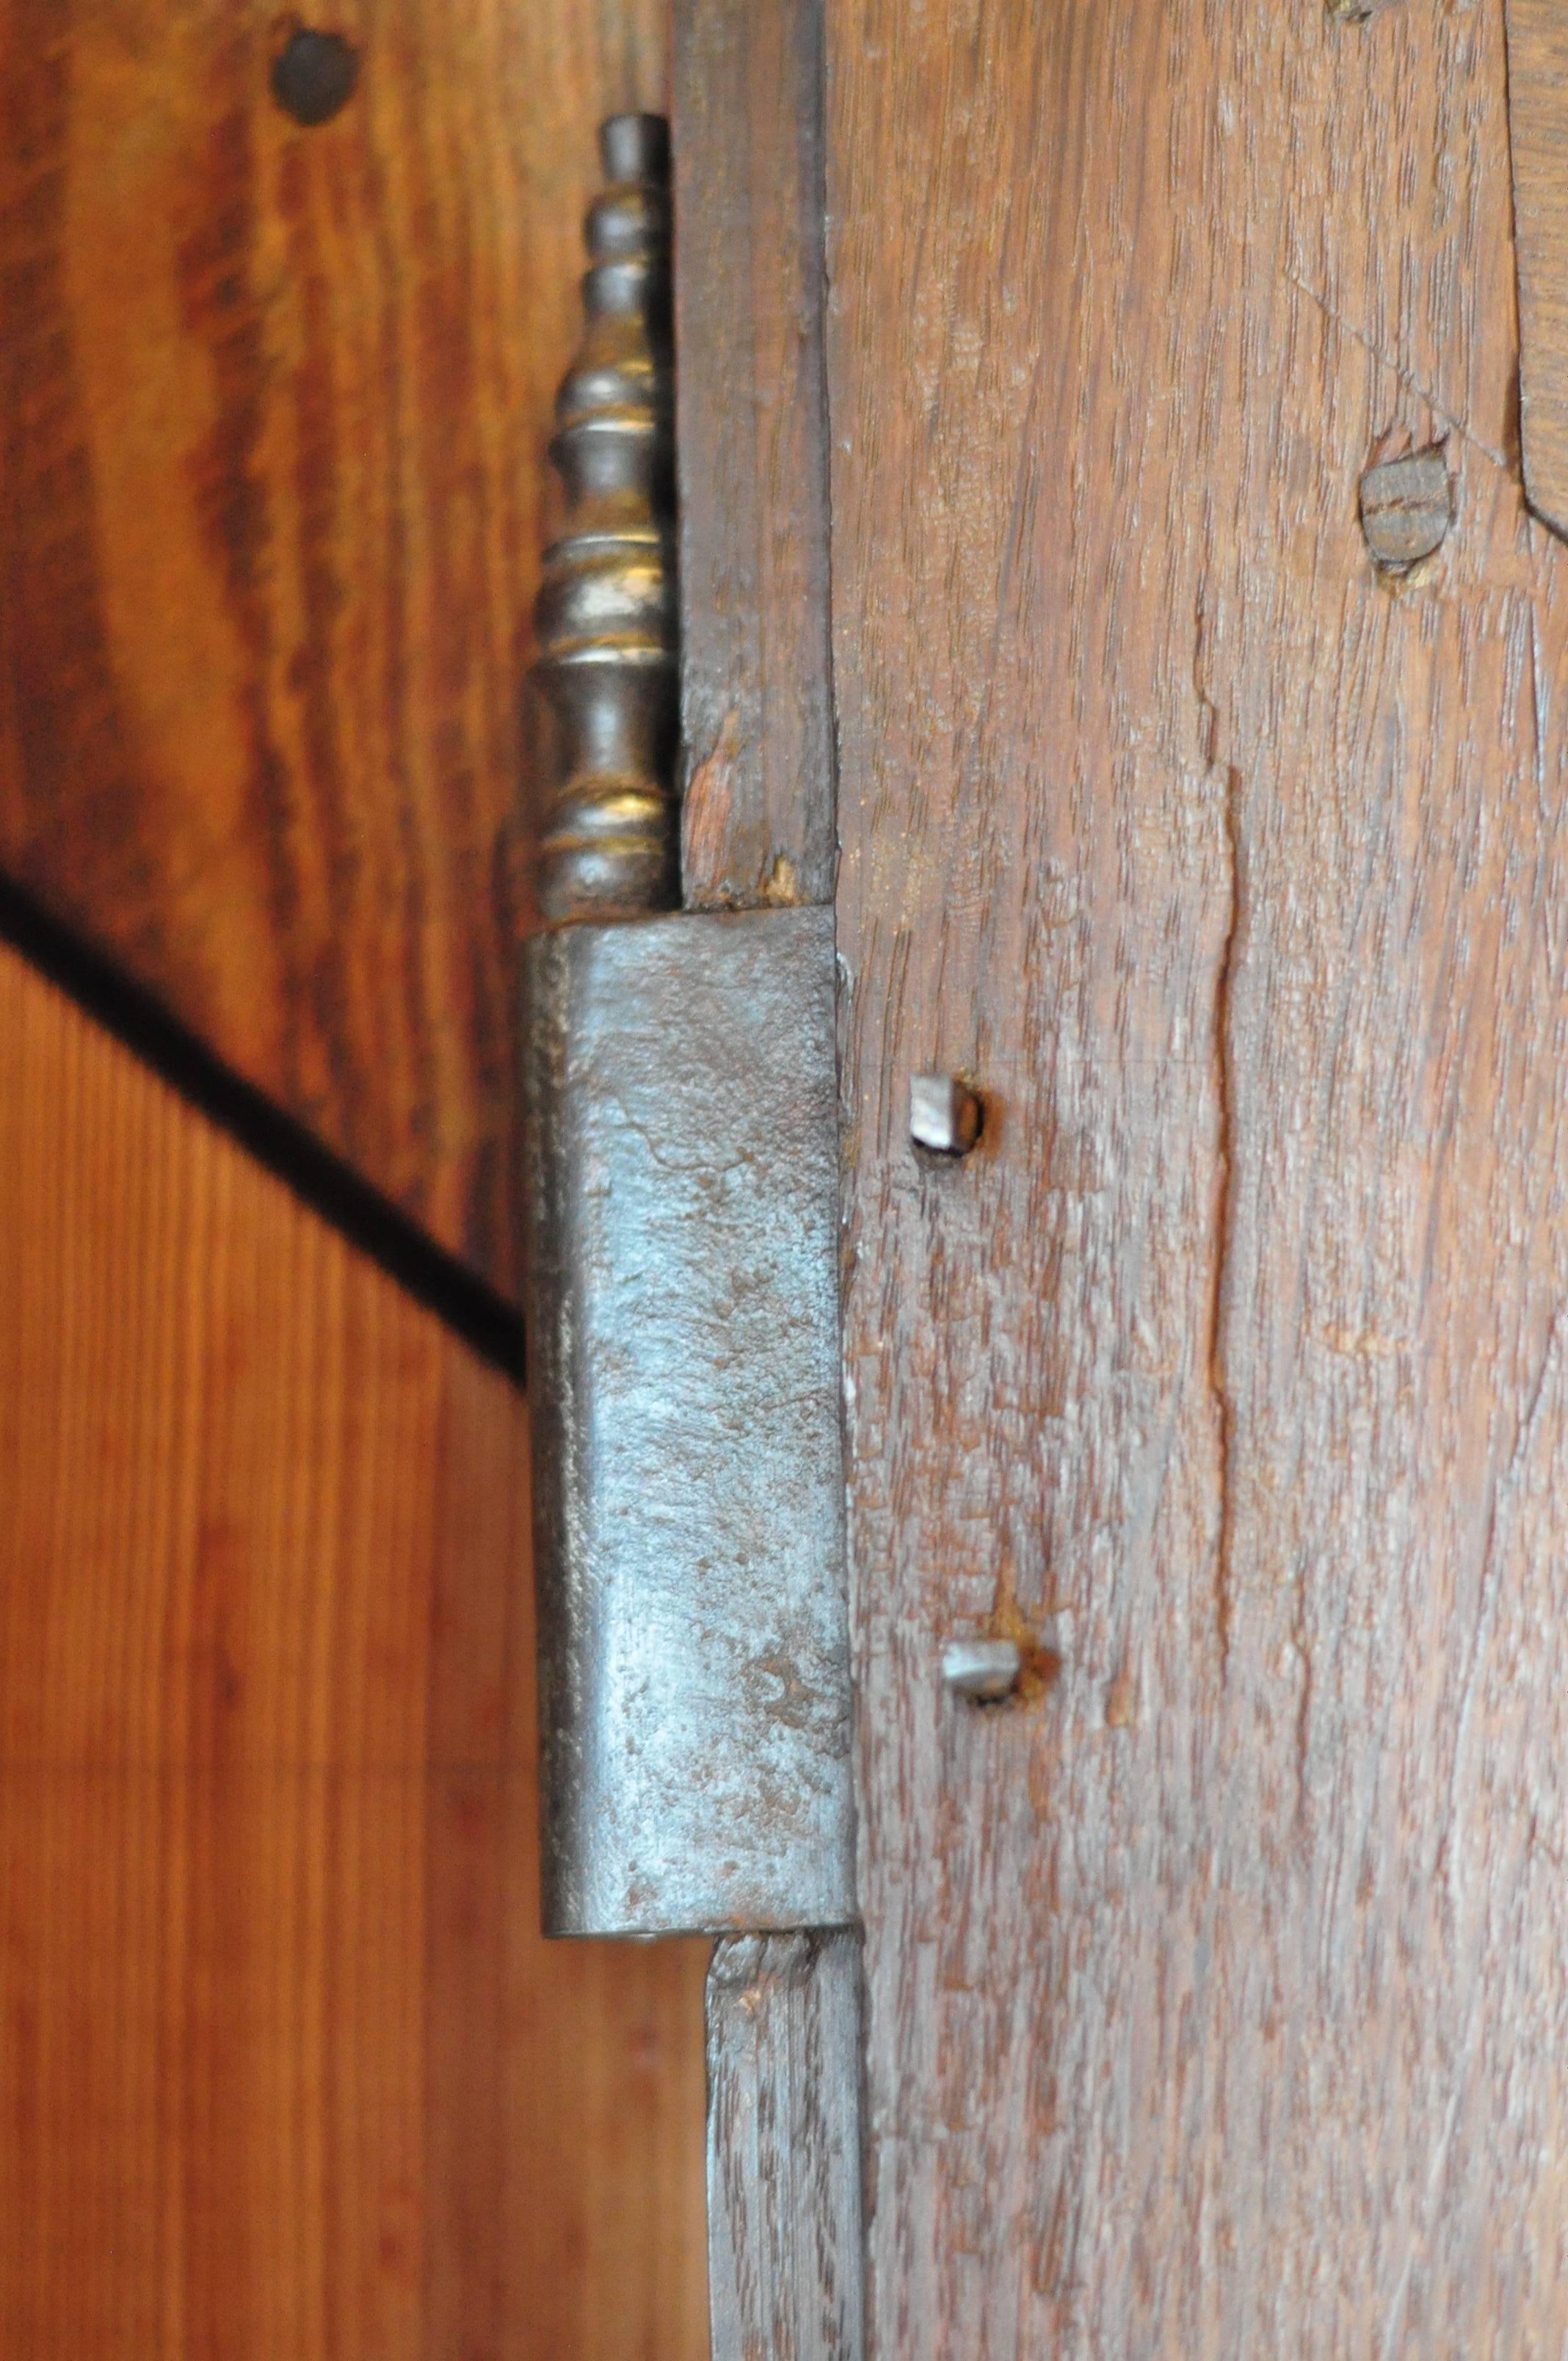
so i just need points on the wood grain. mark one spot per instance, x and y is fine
(274, 403)
(290, 2075)
(757, 818)
(1538, 141)
(1217, 1992)
(783, 2166)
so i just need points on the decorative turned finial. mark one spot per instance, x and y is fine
(606, 617)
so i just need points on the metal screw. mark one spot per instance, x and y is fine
(986, 1670)
(944, 1115)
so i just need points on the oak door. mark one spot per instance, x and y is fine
(1200, 800)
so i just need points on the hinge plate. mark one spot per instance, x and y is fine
(682, 1195)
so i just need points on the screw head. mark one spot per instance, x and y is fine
(944, 1114)
(986, 1670)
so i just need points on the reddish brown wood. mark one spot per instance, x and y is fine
(274, 402)
(1217, 1989)
(289, 2073)
(757, 824)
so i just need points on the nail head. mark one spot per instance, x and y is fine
(313, 76)
(986, 1670)
(944, 1115)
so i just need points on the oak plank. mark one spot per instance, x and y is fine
(757, 761)
(1216, 1989)
(274, 404)
(289, 2073)
(785, 2273)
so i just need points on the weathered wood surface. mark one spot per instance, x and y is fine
(274, 403)
(289, 2074)
(784, 2163)
(784, 2232)
(1217, 1994)
(757, 821)
(1537, 142)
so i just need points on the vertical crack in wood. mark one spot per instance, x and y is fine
(1225, 1162)
(1225, 1194)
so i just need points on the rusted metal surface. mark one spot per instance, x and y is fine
(606, 618)
(683, 1320)
(784, 2160)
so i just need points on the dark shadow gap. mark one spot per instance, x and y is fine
(485, 1322)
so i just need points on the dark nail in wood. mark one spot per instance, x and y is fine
(313, 76)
